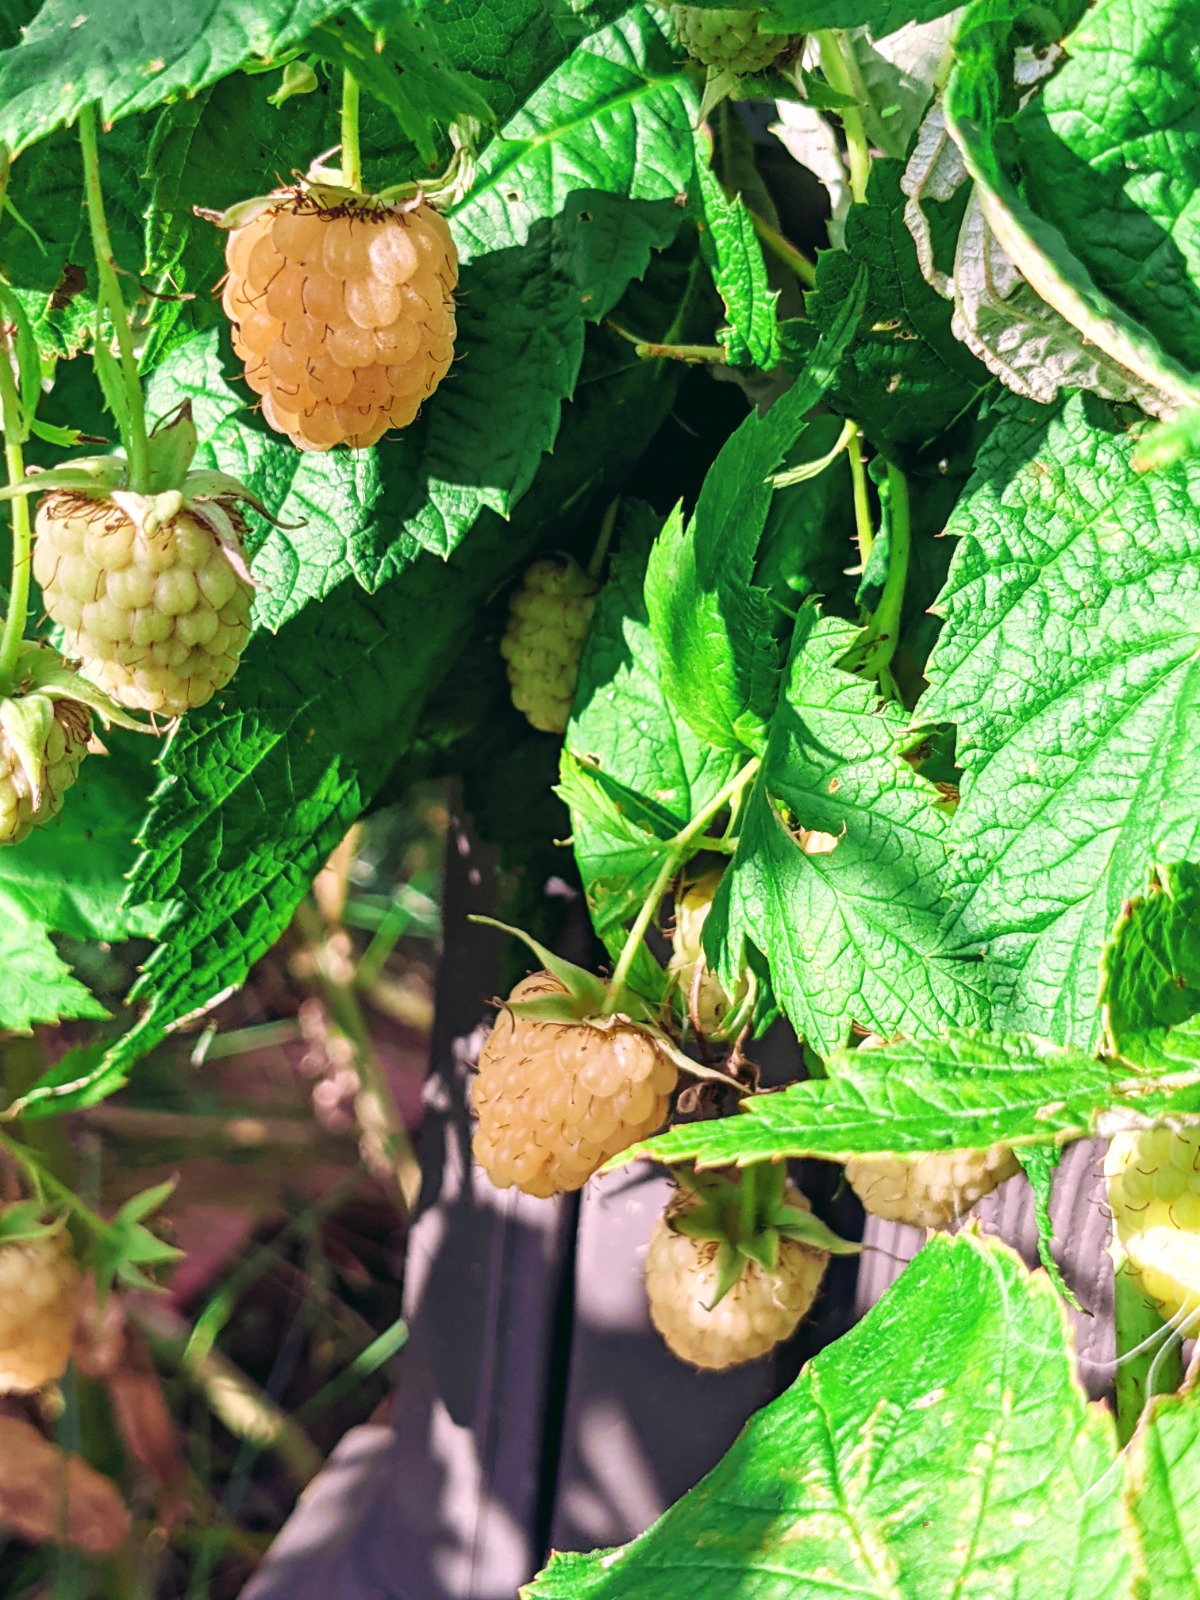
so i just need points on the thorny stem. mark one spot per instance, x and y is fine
(678, 850)
(22, 533)
(833, 65)
(110, 299)
(785, 250)
(351, 145)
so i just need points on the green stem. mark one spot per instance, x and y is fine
(885, 624)
(351, 145)
(679, 849)
(785, 251)
(22, 532)
(863, 531)
(110, 299)
(833, 65)
(596, 565)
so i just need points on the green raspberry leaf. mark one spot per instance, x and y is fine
(712, 626)
(634, 774)
(132, 58)
(842, 857)
(69, 878)
(1104, 346)
(38, 985)
(1150, 969)
(852, 1482)
(127, 60)
(734, 257)
(905, 378)
(965, 1090)
(260, 785)
(1068, 661)
(1164, 1486)
(1110, 153)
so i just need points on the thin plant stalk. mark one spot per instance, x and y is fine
(110, 299)
(784, 250)
(678, 850)
(22, 531)
(837, 75)
(351, 141)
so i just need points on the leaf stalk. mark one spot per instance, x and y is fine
(837, 75)
(679, 849)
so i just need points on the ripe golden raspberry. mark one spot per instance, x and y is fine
(39, 1304)
(152, 593)
(929, 1191)
(707, 1003)
(761, 1309)
(555, 1100)
(33, 782)
(729, 40)
(342, 313)
(1154, 1191)
(549, 615)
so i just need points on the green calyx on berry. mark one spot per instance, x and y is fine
(45, 728)
(169, 481)
(587, 998)
(747, 1216)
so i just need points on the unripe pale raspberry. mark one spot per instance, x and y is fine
(343, 314)
(549, 616)
(1154, 1191)
(555, 1100)
(706, 1000)
(153, 595)
(762, 1309)
(27, 801)
(729, 41)
(39, 1304)
(929, 1191)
